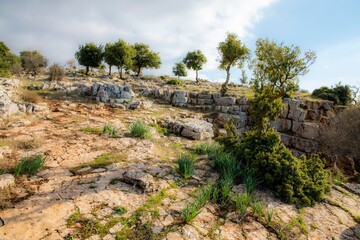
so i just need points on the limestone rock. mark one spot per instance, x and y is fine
(141, 179)
(225, 101)
(192, 128)
(6, 180)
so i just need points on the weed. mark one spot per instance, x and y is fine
(97, 131)
(29, 165)
(298, 222)
(190, 212)
(186, 166)
(140, 130)
(73, 218)
(120, 210)
(269, 215)
(249, 180)
(242, 202)
(257, 208)
(109, 130)
(226, 165)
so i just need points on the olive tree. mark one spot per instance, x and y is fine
(7, 60)
(119, 54)
(232, 52)
(180, 70)
(33, 61)
(90, 55)
(279, 66)
(195, 61)
(145, 58)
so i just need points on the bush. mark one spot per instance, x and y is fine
(342, 136)
(56, 72)
(340, 94)
(140, 130)
(29, 165)
(186, 166)
(174, 81)
(294, 180)
(29, 97)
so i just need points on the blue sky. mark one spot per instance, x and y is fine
(173, 27)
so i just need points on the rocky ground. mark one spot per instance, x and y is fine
(137, 194)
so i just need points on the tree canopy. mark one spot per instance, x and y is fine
(195, 61)
(89, 55)
(119, 54)
(145, 58)
(232, 52)
(33, 61)
(279, 66)
(7, 60)
(180, 69)
(340, 94)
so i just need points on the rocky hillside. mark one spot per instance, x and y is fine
(109, 184)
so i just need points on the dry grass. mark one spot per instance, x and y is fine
(30, 97)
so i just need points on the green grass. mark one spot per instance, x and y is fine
(120, 210)
(298, 222)
(91, 130)
(257, 208)
(209, 148)
(29, 165)
(226, 165)
(249, 179)
(159, 129)
(102, 160)
(109, 130)
(186, 166)
(242, 201)
(269, 215)
(139, 129)
(193, 209)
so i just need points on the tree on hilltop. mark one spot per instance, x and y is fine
(232, 52)
(32, 61)
(145, 58)
(180, 69)
(195, 61)
(119, 54)
(89, 55)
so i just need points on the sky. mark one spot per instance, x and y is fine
(172, 28)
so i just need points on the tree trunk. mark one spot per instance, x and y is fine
(138, 72)
(109, 70)
(87, 70)
(197, 76)
(224, 86)
(120, 72)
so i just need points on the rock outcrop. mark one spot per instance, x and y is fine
(192, 128)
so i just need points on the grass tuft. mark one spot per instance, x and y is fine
(109, 130)
(209, 148)
(186, 166)
(140, 130)
(29, 165)
(242, 201)
(120, 210)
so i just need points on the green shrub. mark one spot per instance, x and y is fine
(186, 166)
(174, 81)
(140, 130)
(109, 130)
(340, 94)
(299, 180)
(29, 165)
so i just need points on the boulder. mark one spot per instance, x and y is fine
(141, 179)
(192, 128)
(179, 98)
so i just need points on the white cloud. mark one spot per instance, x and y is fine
(170, 27)
(336, 63)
